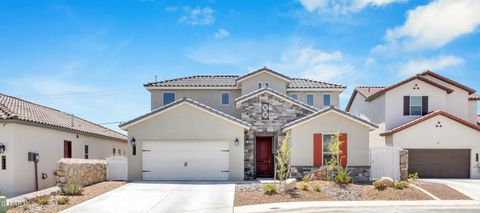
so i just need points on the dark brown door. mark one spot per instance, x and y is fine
(67, 149)
(439, 163)
(264, 157)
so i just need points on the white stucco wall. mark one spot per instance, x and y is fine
(251, 84)
(318, 97)
(472, 111)
(373, 111)
(452, 135)
(209, 97)
(330, 123)
(49, 144)
(6, 176)
(186, 122)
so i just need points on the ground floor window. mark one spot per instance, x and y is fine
(327, 155)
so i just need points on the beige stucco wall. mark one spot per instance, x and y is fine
(373, 111)
(49, 144)
(186, 122)
(251, 84)
(452, 135)
(331, 122)
(318, 97)
(209, 97)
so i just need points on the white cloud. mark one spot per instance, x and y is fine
(342, 6)
(315, 64)
(437, 63)
(221, 33)
(434, 25)
(198, 16)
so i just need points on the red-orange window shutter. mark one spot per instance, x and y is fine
(343, 149)
(317, 150)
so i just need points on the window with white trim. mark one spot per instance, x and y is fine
(168, 97)
(262, 84)
(415, 105)
(327, 140)
(225, 98)
(294, 96)
(310, 99)
(327, 100)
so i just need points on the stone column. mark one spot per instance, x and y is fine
(404, 164)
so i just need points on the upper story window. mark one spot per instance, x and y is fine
(294, 96)
(225, 98)
(168, 97)
(327, 100)
(262, 84)
(415, 105)
(310, 99)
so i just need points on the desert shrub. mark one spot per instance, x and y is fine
(343, 177)
(413, 177)
(25, 207)
(379, 185)
(303, 186)
(63, 200)
(42, 201)
(307, 178)
(317, 187)
(401, 184)
(73, 189)
(270, 188)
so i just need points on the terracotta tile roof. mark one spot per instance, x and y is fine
(447, 80)
(428, 116)
(190, 101)
(474, 97)
(15, 109)
(230, 81)
(275, 93)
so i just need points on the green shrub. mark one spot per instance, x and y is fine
(342, 177)
(317, 187)
(63, 200)
(270, 188)
(307, 178)
(303, 186)
(25, 207)
(72, 189)
(401, 184)
(413, 177)
(42, 201)
(379, 185)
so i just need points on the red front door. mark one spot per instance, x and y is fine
(264, 157)
(67, 149)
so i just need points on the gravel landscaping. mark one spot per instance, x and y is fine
(89, 192)
(442, 191)
(252, 193)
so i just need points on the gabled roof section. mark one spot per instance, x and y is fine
(416, 77)
(447, 80)
(16, 109)
(325, 111)
(427, 117)
(209, 81)
(274, 93)
(365, 91)
(263, 70)
(474, 97)
(302, 83)
(192, 103)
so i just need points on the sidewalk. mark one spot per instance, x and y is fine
(365, 206)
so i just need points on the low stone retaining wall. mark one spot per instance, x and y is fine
(80, 171)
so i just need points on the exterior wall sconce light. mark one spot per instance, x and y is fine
(134, 146)
(2, 148)
(236, 142)
(133, 142)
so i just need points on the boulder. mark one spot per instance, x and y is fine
(387, 181)
(290, 184)
(320, 174)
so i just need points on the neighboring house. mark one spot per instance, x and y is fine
(220, 127)
(28, 127)
(433, 117)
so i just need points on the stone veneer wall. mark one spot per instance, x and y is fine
(404, 164)
(80, 171)
(280, 113)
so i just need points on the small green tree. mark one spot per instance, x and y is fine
(283, 159)
(334, 149)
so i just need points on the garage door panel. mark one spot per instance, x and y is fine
(186, 161)
(439, 163)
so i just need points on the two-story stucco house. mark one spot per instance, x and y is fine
(433, 117)
(220, 127)
(26, 127)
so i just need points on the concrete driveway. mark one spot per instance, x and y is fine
(163, 197)
(469, 187)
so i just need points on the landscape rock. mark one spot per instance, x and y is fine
(290, 184)
(387, 181)
(80, 171)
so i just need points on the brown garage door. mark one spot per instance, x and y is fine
(439, 163)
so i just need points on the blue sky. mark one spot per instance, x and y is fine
(91, 58)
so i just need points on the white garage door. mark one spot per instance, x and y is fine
(193, 160)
